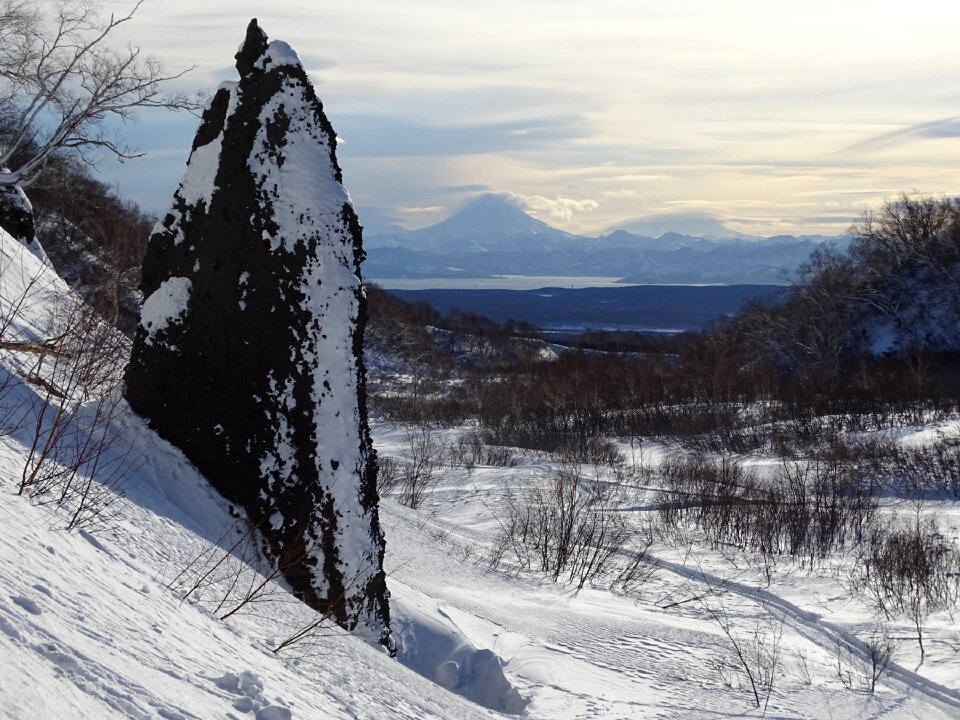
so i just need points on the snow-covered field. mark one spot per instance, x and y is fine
(594, 653)
(94, 624)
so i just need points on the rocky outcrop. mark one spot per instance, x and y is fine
(16, 215)
(249, 352)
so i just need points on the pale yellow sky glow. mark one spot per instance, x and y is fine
(772, 116)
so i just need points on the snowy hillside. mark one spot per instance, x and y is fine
(594, 653)
(124, 619)
(93, 624)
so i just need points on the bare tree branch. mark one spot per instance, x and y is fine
(61, 82)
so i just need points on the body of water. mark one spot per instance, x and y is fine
(649, 308)
(498, 282)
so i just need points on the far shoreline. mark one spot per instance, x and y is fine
(520, 282)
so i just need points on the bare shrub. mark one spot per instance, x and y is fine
(389, 473)
(463, 453)
(863, 673)
(77, 458)
(20, 290)
(807, 510)
(568, 527)
(640, 565)
(418, 476)
(400, 405)
(881, 646)
(909, 569)
(228, 574)
(469, 450)
(597, 451)
(931, 468)
(802, 664)
(847, 666)
(497, 456)
(585, 449)
(756, 654)
(716, 428)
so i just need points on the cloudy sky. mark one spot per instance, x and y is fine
(770, 116)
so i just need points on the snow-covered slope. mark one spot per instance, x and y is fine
(88, 628)
(101, 625)
(95, 625)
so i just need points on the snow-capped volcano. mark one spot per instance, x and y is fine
(487, 214)
(488, 223)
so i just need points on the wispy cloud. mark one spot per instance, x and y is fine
(385, 136)
(632, 177)
(459, 189)
(557, 208)
(719, 203)
(597, 112)
(936, 129)
(849, 191)
(620, 194)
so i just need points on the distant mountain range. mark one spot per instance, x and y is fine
(491, 235)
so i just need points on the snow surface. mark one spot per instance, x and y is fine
(199, 179)
(166, 305)
(14, 196)
(29, 291)
(90, 627)
(111, 641)
(303, 168)
(278, 53)
(89, 630)
(430, 643)
(99, 625)
(595, 653)
(298, 184)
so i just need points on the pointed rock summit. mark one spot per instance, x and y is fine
(249, 352)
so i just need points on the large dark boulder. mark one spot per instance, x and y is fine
(249, 352)
(16, 214)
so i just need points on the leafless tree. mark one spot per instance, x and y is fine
(424, 453)
(61, 82)
(389, 474)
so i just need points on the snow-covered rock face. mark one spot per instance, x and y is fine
(16, 217)
(248, 356)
